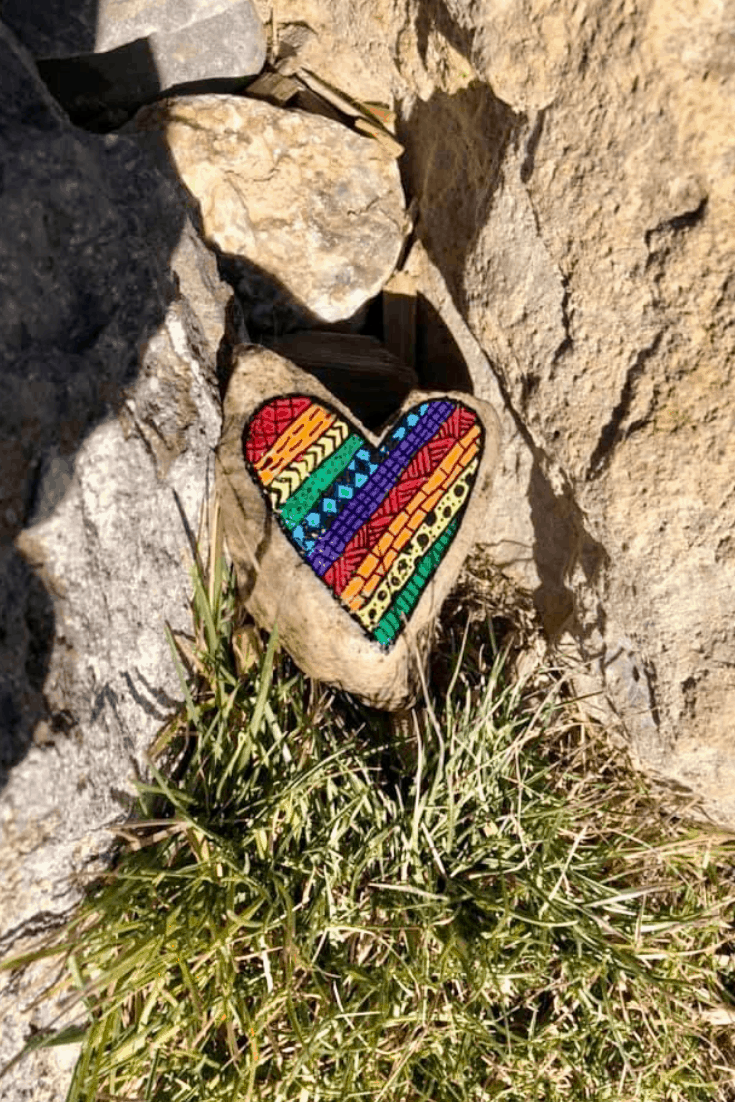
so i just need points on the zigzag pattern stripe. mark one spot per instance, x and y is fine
(311, 494)
(289, 480)
(308, 427)
(374, 523)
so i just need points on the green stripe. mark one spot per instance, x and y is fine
(405, 601)
(309, 492)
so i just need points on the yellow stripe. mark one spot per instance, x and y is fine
(289, 480)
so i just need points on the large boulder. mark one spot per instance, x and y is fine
(102, 89)
(574, 170)
(113, 314)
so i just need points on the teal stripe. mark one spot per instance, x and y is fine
(299, 504)
(405, 601)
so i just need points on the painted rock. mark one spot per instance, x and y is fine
(345, 540)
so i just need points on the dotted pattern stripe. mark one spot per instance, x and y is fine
(374, 523)
(426, 460)
(391, 624)
(403, 567)
(406, 523)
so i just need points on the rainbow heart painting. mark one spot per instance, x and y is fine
(373, 522)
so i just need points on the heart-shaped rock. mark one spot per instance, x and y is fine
(374, 524)
(346, 542)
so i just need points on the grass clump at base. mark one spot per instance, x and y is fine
(296, 917)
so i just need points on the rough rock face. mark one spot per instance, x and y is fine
(575, 172)
(346, 542)
(58, 28)
(112, 317)
(299, 199)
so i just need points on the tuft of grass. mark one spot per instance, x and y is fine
(293, 916)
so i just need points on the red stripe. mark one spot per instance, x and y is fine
(419, 470)
(269, 423)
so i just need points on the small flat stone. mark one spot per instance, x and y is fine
(344, 541)
(291, 198)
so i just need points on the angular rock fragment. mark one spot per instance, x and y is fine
(94, 87)
(55, 28)
(308, 216)
(345, 542)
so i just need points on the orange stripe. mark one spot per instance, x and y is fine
(379, 559)
(302, 432)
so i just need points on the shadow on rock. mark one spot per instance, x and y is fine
(354, 366)
(455, 149)
(88, 228)
(455, 146)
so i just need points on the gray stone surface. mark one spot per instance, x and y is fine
(65, 28)
(98, 87)
(112, 317)
(295, 203)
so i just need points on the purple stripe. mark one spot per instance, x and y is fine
(331, 545)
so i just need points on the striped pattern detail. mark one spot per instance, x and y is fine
(304, 430)
(263, 430)
(289, 480)
(316, 497)
(394, 619)
(410, 521)
(373, 523)
(395, 567)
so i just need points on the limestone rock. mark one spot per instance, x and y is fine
(56, 28)
(575, 173)
(103, 89)
(112, 316)
(345, 542)
(294, 203)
